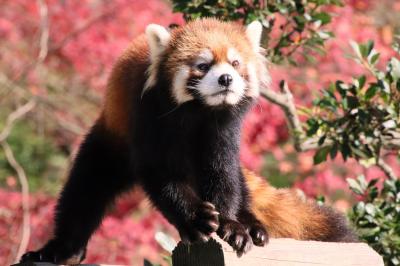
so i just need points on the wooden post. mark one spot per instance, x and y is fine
(198, 254)
(279, 252)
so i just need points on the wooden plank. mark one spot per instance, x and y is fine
(279, 252)
(291, 252)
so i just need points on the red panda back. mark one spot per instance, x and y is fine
(125, 86)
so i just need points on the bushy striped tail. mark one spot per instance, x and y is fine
(286, 214)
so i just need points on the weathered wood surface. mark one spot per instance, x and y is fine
(289, 252)
(279, 252)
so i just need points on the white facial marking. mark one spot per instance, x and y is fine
(213, 93)
(179, 85)
(233, 55)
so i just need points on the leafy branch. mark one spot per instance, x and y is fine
(360, 119)
(298, 25)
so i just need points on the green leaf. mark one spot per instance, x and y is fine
(359, 208)
(355, 186)
(345, 150)
(324, 17)
(358, 152)
(333, 151)
(313, 126)
(369, 47)
(321, 140)
(370, 209)
(395, 65)
(361, 81)
(353, 102)
(321, 155)
(356, 48)
(362, 181)
(373, 193)
(345, 104)
(384, 86)
(371, 92)
(374, 58)
(300, 21)
(372, 182)
(363, 50)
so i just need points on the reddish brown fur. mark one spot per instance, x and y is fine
(125, 84)
(285, 214)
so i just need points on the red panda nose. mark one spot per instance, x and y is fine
(225, 80)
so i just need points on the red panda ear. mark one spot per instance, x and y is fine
(253, 32)
(158, 38)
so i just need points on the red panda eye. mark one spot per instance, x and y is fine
(235, 63)
(203, 67)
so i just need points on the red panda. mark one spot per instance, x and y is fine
(171, 124)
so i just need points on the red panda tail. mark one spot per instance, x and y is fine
(285, 214)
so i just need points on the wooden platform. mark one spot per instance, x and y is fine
(289, 252)
(279, 252)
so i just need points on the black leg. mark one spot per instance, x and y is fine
(100, 172)
(195, 219)
(247, 218)
(224, 190)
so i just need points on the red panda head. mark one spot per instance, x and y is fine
(216, 62)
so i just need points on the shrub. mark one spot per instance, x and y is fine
(377, 216)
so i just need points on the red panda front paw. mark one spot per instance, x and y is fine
(236, 235)
(256, 229)
(258, 234)
(204, 223)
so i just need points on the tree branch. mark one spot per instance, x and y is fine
(391, 140)
(386, 168)
(44, 27)
(285, 101)
(14, 116)
(11, 119)
(26, 230)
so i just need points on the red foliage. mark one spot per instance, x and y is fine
(86, 35)
(125, 237)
